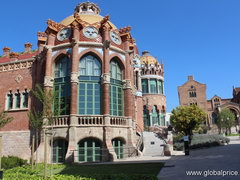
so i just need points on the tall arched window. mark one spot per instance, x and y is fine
(116, 89)
(89, 85)
(146, 117)
(155, 119)
(153, 86)
(61, 86)
(145, 86)
(118, 146)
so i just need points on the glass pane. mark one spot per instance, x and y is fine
(153, 86)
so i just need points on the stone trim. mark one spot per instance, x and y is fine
(152, 76)
(48, 81)
(127, 84)
(74, 77)
(105, 78)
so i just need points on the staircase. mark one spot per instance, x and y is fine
(152, 144)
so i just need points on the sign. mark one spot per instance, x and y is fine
(185, 138)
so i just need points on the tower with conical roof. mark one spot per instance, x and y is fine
(154, 99)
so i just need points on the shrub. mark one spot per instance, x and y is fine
(202, 140)
(12, 161)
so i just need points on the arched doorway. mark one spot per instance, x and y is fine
(89, 150)
(59, 150)
(118, 146)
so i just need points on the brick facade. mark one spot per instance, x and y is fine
(20, 72)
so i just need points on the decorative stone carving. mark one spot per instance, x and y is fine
(136, 61)
(19, 78)
(138, 93)
(105, 78)
(54, 25)
(74, 77)
(48, 81)
(126, 84)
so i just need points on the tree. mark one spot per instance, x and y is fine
(4, 119)
(185, 119)
(225, 120)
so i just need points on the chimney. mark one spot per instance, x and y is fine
(6, 51)
(190, 78)
(14, 55)
(28, 47)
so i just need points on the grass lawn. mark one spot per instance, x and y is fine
(143, 171)
(233, 135)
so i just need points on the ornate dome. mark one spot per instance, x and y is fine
(88, 12)
(147, 58)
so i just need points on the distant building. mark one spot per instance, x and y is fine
(193, 92)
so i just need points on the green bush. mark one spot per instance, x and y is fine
(202, 140)
(25, 173)
(12, 161)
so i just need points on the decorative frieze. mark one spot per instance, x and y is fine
(48, 81)
(16, 65)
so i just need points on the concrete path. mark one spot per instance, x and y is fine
(209, 161)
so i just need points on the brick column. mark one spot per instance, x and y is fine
(105, 75)
(74, 72)
(72, 152)
(128, 97)
(48, 79)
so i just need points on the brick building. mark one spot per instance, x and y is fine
(110, 92)
(193, 92)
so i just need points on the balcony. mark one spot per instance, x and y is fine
(91, 121)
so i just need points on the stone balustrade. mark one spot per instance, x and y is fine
(91, 120)
(116, 120)
(61, 121)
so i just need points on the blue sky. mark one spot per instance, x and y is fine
(191, 37)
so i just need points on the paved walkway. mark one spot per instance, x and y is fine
(225, 158)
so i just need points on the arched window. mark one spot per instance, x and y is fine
(17, 99)
(89, 85)
(162, 117)
(89, 150)
(118, 146)
(90, 66)
(62, 92)
(59, 150)
(10, 100)
(160, 87)
(146, 117)
(116, 89)
(144, 86)
(155, 119)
